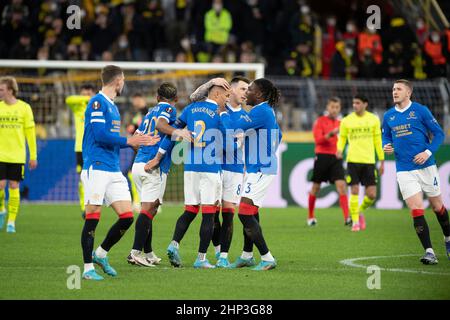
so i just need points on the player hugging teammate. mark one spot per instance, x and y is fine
(203, 178)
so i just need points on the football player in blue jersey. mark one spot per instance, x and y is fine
(406, 134)
(232, 168)
(101, 177)
(262, 137)
(151, 186)
(202, 171)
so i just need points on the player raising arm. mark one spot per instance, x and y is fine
(102, 180)
(202, 178)
(232, 167)
(406, 129)
(262, 139)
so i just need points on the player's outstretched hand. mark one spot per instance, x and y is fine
(421, 158)
(221, 82)
(182, 134)
(143, 140)
(339, 155)
(32, 164)
(151, 165)
(388, 149)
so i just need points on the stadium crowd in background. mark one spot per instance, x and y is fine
(227, 31)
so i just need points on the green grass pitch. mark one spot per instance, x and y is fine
(34, 261)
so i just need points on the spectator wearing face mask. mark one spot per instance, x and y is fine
(218, 23)
(370, 39)
(100, 34)
(121, 49)
(185, 53)
(420, 63)
(56, 47)
(305, 61)
(351, 33)
(329, 38)
(345, 62)
(302, 27)
(435, 50)
(422, 32)
(72, 52)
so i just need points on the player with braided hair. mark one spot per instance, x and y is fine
(262, 137)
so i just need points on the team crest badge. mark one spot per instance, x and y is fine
(412, 115)
(96, 105)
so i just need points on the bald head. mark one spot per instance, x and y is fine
(219, 95)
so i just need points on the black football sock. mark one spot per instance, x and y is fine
(142, 227)
(442, 216)
(206, 231)
(182, 225)
(217, 228)
(87, 239)
(148, 242)
(254, 232)
(116, 232)
(421, 226)
(226, 232)
(248, 242)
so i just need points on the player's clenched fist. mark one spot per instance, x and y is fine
(142, 140)
(388, 149)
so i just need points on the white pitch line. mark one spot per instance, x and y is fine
(351, 263)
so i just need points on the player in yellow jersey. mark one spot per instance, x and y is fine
(16, 126)
(78, 103)
(361, 129)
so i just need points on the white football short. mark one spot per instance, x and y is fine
(202, 188)
(104, 187)
(423, 180)
(255, 186)
(232, 186)
(150, 186)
